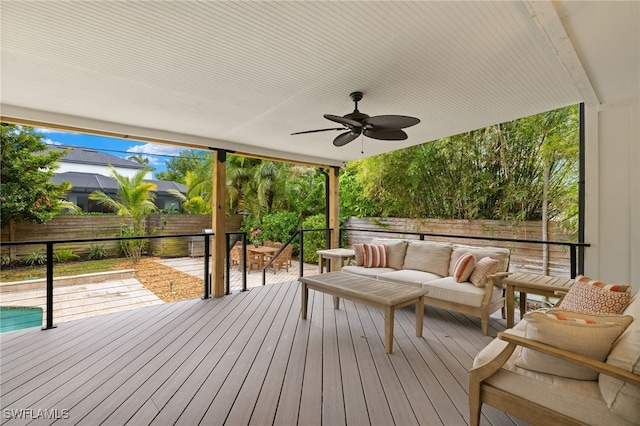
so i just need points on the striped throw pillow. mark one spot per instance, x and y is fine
(375, 256)
(464, 267)
(611, 287)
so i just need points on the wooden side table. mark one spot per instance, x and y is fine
(530, 283)
(340, 254)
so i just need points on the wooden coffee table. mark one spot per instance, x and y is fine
(369, 291)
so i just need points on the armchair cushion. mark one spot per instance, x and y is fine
(623, 398)
(593, 338)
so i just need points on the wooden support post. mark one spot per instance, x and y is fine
(334, 212)
(218, 221)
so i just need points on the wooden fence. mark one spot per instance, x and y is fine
(109, 226)
(525, 257)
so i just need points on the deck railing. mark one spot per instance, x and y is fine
(231, 238)
(49, 245)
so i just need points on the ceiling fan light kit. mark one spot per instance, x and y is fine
(381, 127)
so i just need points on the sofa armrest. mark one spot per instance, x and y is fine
(496, 279)
(581, 360)
(493, 280)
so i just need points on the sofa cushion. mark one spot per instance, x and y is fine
(359, 254)
(428, 256)
(464, 267)
(366, 272)
(593, 339)
(461, 293)
(590, 299)
(409, 276)
(623, 398)
(485, 267)
(497, 253)
(396, 251)
(375, 256)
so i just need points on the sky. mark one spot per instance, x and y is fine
(157, 154)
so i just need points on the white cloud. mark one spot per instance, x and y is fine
(155, 149)
(51, 142)
(50, 131)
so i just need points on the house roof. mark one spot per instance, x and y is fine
(89, 182)
(80, 155)
(242, 76)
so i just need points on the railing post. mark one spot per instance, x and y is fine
(244, 262)
(573, 254)
(227, 271)
(49, 286)
(301, 263)
(207, 287)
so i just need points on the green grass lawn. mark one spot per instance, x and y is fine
(21, 273)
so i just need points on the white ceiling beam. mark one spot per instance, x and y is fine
(552, 29)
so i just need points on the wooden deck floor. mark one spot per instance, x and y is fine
(244, 359)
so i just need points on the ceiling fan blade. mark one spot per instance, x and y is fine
(386, 135)
(342, 120)
(391, 122)
(319, 130)
(345, 138)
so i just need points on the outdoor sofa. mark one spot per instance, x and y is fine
(572, 365)
(456, 275)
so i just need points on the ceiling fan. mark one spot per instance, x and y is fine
(382, 127)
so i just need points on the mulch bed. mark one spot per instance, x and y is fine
(167, 283)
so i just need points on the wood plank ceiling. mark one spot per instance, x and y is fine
(244, 75)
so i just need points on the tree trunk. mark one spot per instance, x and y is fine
(13, 250)
(545, 218)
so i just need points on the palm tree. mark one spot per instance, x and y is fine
(139, 158)
(134, 198)
(198, 197)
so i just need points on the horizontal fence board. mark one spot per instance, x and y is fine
(110, 226)
(524, 256)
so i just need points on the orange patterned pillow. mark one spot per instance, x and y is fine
(485, 266)
(375, 256)
(591, 299)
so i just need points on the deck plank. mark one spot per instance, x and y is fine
(248, 358)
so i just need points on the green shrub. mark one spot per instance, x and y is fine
(62, 256)
(132, 249)
(250, 224)
(316, 240)
(6, 259)
(97, 252)
(279, 226)
(35, 258)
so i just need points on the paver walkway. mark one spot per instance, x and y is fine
(85, 300)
